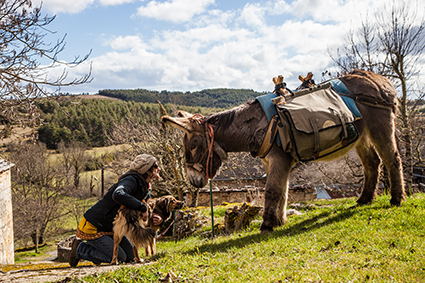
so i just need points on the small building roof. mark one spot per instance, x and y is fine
(5, 165)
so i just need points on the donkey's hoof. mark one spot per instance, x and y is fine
(266, 229)
(364, 202)
(395, 202)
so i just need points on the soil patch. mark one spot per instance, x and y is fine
(58, 272)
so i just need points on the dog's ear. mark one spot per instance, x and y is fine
(167, 204)
(162, 205)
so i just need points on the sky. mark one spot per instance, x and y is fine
(191, 45)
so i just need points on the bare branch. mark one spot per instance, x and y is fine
(26, 60)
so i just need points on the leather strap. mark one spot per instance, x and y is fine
(268, 139)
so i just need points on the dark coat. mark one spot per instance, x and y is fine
(129, 191)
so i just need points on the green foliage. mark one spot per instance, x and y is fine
(97, 162)
(220, 97)
(91, 120)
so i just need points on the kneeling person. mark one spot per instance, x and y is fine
(97, 224)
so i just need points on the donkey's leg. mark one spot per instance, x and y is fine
(278, 166)
(386, 146)
(371, 162)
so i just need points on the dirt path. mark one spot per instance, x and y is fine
(59, 272)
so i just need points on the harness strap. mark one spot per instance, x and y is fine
(209, 134)
(315, 127)
(344, 125)
(370, 102)
(268, 139)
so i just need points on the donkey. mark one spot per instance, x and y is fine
(243, 128)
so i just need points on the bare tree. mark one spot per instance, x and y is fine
(26, 60)
(74, 160)
(37, 191)
(393, 46)
(163, 143)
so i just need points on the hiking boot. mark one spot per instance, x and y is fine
(73, 259)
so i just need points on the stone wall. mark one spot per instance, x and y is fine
(7, 255)
(249, 194)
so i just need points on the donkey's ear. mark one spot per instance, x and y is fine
(184, 114)
(182, 123)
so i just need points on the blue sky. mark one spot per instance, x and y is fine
(189, 45)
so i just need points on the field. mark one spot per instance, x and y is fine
(332, 241)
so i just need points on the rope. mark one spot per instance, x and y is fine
(165, 231)
(210, 134)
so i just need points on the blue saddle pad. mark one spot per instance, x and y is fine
(341, 88)
(269, 108)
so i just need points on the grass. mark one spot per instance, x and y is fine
(332, 241)
(28, 256)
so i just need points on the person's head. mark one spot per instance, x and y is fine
(144, 164)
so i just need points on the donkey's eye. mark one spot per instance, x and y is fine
(195, 143)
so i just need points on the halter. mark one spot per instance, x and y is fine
(209, 133)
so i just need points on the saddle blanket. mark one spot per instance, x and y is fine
(270, 109)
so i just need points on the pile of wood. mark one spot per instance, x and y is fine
(238, 218)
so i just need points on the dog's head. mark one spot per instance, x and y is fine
(165, 205)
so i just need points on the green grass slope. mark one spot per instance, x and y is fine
(332, 241)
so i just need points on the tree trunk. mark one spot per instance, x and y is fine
(195, 195)
(407, 137)
(408, 164)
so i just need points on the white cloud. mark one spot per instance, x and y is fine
(114, 2)
(176, 11)
(127, 42)
(238, 48)
(60, 6)
(217, 56)
(253, 15)
(74, 6)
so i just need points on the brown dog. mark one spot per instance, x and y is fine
(128, 222)
(163, 206)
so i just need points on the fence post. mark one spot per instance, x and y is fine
(212, 209)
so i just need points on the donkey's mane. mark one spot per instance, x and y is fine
(224, 119)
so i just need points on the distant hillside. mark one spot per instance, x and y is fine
(90, 119)
(220, 98)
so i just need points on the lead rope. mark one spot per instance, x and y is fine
(210, 134)
(165, 231)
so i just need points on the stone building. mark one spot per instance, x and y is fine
(7, 255)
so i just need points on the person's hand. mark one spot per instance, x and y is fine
(145, 216)
(157, 220)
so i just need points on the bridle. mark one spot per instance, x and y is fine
(209, 133)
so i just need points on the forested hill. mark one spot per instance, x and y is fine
(92, 120)
(220, 97)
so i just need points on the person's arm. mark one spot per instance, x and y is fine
(124, 192)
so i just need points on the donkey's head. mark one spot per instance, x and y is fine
(204, 156)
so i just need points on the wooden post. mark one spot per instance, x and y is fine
(103, 183)
(212, 209)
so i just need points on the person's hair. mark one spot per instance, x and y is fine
(155, 165)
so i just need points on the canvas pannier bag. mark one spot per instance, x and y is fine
(315, 123)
